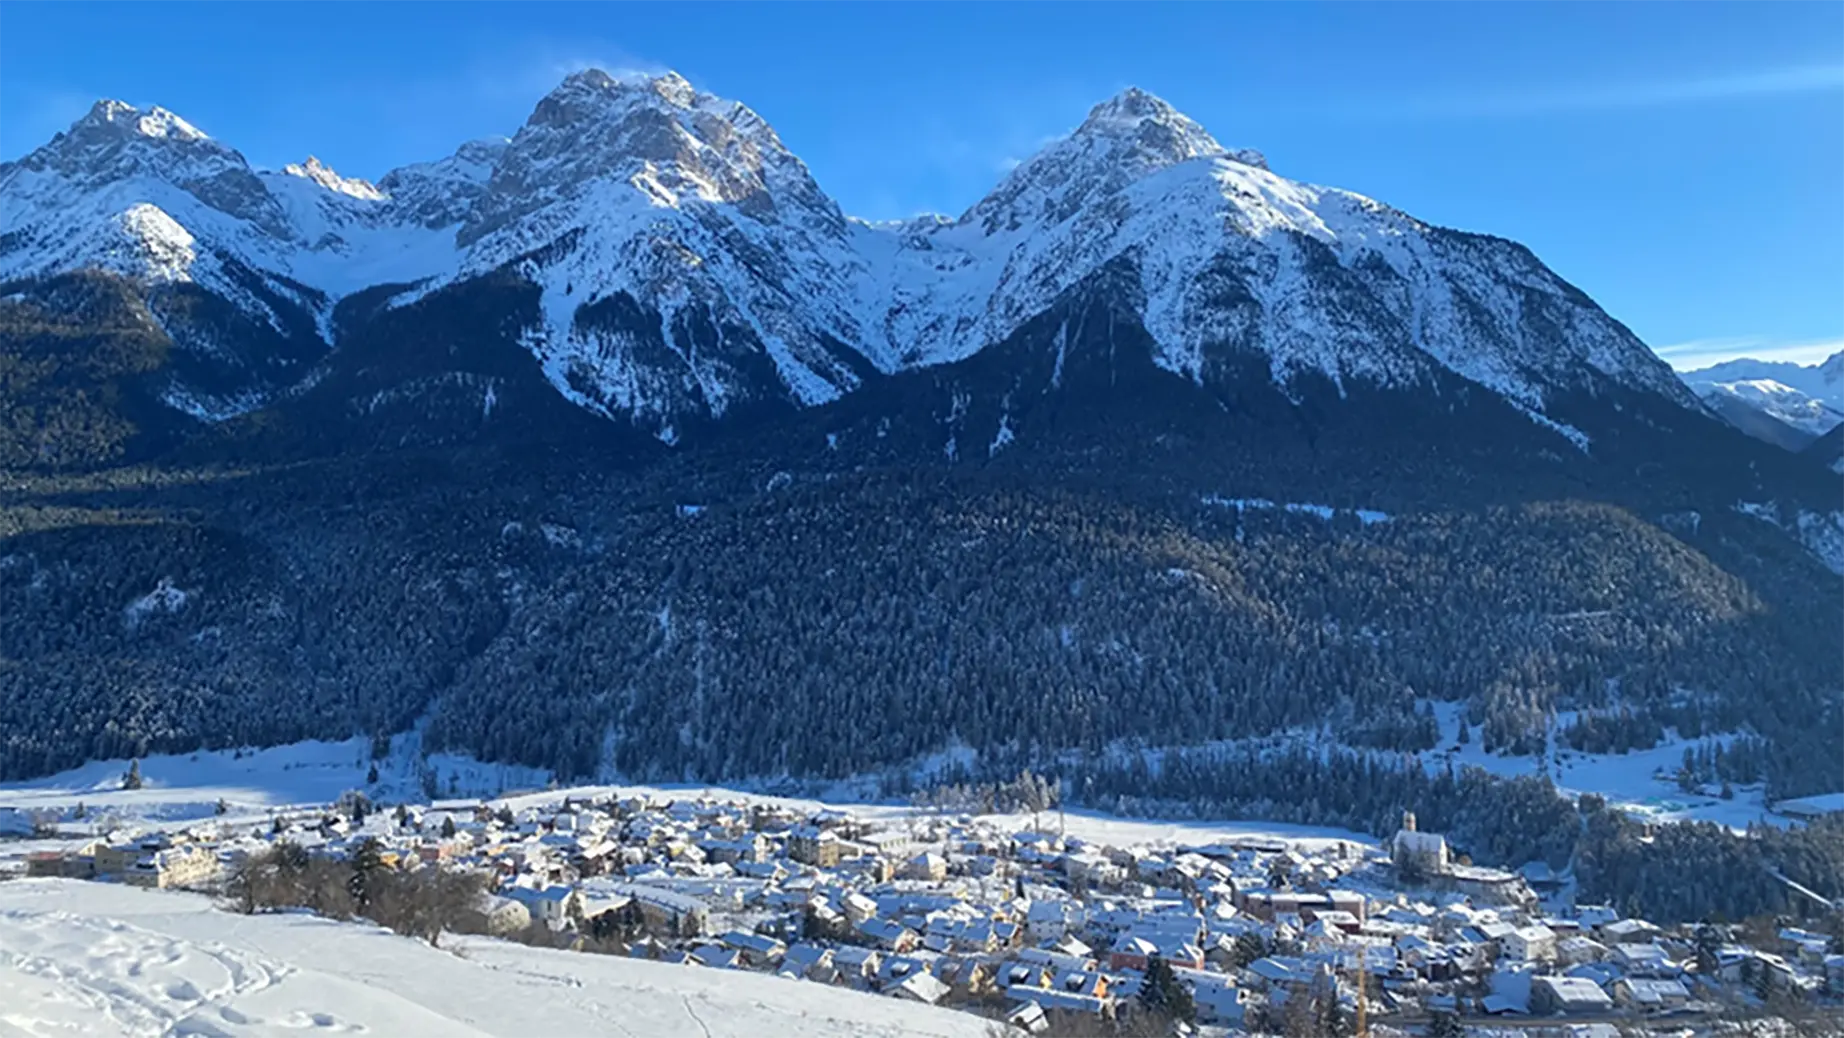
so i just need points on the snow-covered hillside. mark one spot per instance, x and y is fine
(146, 194)
(1231, 257)
(1809, 414)
(689, 264)
(102, 959)
(1808, 397)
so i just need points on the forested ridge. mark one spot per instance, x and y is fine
(830, 623)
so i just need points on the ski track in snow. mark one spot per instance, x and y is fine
(62, 970)
(102, 959)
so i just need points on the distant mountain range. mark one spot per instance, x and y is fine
(1789, 405)
(617, 447)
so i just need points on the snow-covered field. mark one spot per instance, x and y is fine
(81, 958)
(1627, 780)
(184, 787)
(253, 783)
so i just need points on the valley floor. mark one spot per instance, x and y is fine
(103, 959)
(252, 784)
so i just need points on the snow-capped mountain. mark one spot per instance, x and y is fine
(1807, 397)
(1823, 381)
(1232, 259)
(688, 261)
(689, 264)
(442, 193)
(1810, 415)
(146, 195)
(1786, 404)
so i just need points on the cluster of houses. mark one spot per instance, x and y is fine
(154, 859)
(1021, 923)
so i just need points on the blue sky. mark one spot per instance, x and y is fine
(1681, 163)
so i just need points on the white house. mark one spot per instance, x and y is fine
(1567, 995)
(1650, 995)
(1573, 951)
(920, 986)
(1642, 960)
(1216, 995)
(547, 905)
(1533, 943)
(498, 916)
(1053, 920)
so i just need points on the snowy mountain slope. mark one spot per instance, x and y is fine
(691, 268)
(1808, 417)
(1808, 398)
(147, 195)
(1229, 258)
(1756, 422)
(240, 269)
(688, 261)
(442, 193)
(1823, 381)
(1234, 259)
(92, 958)
(141, 194)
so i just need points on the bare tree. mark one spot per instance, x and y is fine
(424, 902)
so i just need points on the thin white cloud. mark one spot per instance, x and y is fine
(1701, 353)
(1792, 80)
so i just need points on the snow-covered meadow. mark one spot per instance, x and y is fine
(255, 783)
(1630, 781)
(80, 958)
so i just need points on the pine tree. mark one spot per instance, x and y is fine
(448, 827)
(1162, 994)
(1442, 1024)
(367, 865)
(1249, 947)
(132, 780)
(1708, 940)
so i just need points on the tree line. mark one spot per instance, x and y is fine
(422, 902)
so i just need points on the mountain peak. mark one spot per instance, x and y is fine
(591, 89)
(1157, 131)
(1128, 137)
(320, 173)
(1149, 122)
(1132, 105)
(657, 137)
(126, 118)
